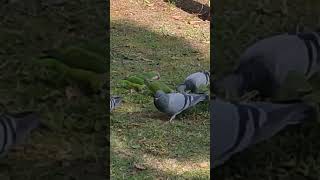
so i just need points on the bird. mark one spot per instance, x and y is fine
(174, 103)
(131, 86)
(77, 57)
(236, 126)
(154, 86)
(265, 65)
(153, 75)
(15, 128)
(115, 101)
(194, 81)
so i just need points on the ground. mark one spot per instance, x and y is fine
(157, 36)
(75, 148)
(293, 153)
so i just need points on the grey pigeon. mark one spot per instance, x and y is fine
(14, 129)
(174, 103)
(266, 64)
(194, 81)
(115, 101)
(236, 126)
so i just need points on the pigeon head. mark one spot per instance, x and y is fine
(229, 87)
(161, 100)
(159, 94)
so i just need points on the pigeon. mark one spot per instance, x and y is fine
(174, 103)
(194, 81)
(115, 102)
(14, 129)
(236, 126)
(264, 66)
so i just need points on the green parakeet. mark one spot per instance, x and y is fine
(153, 75)
(130, 85)
(84, 78)
(154, 86)
(136, 80)
(80, 58)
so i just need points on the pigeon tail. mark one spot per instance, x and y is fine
(198, 98)
(117, 100)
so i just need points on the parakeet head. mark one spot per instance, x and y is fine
(157, 76)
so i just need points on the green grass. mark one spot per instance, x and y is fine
(294, 153)
(76, 146)
(140, 134)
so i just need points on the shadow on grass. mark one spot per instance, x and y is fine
(139, 133)
(79, 169)
(293, 153)
(192, 7)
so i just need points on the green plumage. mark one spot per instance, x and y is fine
(52, 64)
(130, 85)
(80, 58)
(154, 86)
(88, 79)
(94, 46)
(149, 75)
(136, 80)
(84, 78)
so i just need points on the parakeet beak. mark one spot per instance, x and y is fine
(156, 77)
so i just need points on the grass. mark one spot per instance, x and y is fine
(76, 146)
(292, 154)
(143, 144)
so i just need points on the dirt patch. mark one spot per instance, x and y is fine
(160, 16)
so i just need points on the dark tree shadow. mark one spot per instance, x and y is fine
(193, 7)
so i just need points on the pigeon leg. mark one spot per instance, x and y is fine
(172, 117)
